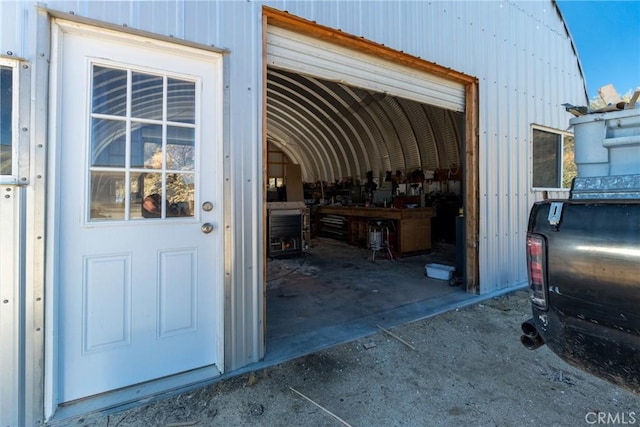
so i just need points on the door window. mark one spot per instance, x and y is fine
(142, 145)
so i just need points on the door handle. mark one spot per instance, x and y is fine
(206, 228)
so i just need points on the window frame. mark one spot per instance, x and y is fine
(127, 169)
(20, 115)
(560, 164)
(15, 90)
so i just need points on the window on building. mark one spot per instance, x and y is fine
(142, 146)
(553, 163)
(277, 162)
(8, 143)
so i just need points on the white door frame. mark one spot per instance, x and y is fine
(51, 399)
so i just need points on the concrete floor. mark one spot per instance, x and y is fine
(466, 367)
(336, 293)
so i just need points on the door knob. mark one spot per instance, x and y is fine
(206, 228)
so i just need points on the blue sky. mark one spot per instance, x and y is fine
(607, 36)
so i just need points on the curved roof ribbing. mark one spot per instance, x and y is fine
(335, 131)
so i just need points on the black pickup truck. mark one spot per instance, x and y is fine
(583, 258)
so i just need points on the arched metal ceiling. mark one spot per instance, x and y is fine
(336, 131)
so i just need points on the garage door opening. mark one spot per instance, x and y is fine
(356, 226)
(366, 189)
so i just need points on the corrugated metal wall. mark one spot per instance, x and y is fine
(526, 67)
(11, 299)
(220, 24)
(519, 51)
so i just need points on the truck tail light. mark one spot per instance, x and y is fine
(536, 264)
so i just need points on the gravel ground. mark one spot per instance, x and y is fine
(464, 367)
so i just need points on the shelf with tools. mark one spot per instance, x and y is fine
(330, 225)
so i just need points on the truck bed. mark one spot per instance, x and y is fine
(592, 318)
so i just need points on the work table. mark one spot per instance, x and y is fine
(410, 231)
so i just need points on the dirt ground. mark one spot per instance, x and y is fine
(464, 367)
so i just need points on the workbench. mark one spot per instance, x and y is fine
(410, 231)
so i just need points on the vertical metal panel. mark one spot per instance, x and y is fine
(11, 301)
(14, 361)
(36, 34)
(239, 29)
(11, 28)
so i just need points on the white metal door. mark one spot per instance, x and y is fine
(138, 208)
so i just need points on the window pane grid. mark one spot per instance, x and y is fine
(139, 159)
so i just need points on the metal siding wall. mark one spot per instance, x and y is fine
(518, 51)
(14, 42)
(11, 37)
(11, 302)
(504, 131)
(525, 71)
(236, 27)
(245, 178)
